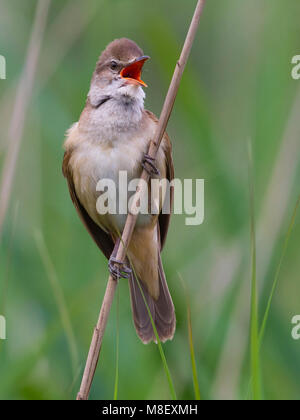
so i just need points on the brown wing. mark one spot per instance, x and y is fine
(102, 239)
(164, 219)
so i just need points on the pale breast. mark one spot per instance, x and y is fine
(94, 161)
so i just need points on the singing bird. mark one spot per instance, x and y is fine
(112, 135)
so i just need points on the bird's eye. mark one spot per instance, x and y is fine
(113, 65)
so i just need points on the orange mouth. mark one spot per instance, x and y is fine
(133, 71)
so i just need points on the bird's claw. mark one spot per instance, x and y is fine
(153, 170)
(118, 269)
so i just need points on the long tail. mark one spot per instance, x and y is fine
(162, 309)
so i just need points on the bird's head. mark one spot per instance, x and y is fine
(118, 74)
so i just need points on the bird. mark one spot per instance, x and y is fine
(113, 134)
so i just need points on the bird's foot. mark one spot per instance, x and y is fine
(118, 269)
(153, 170)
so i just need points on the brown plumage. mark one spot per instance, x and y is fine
(113, 134)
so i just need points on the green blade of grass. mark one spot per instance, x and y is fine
(275, 282)
(117, 348)
(9, 259)
(191, 343)
(59, 298)
(161, 351)
(276, 278)
(254, 342)
(192, 352)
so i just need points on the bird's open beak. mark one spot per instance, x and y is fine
(133, 71)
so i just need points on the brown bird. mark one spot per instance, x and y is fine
(112, 135)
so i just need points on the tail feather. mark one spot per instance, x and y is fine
(162, 309)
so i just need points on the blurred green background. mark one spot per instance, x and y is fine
(237, 86)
